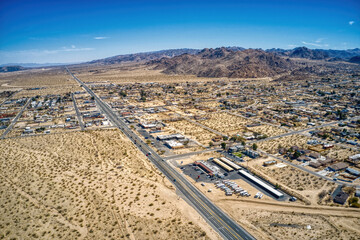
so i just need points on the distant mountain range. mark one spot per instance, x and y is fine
(145, 56)
(300, 52)
(222, 62)
(34, 65)
(234, 62)
(11, 68)
(255, 63)
(317, 54)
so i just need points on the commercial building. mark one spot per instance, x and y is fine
(355, 158)
(231, 164)
(338, 166)
(170, 137)
(353, 171)
(261, 184)
(173, 144)
(205, 168)
(223, 165)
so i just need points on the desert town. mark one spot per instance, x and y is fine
(180, 120)
(245, 144)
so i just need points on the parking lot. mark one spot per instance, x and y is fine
(199, 175)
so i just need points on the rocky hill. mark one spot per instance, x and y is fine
(222, 62)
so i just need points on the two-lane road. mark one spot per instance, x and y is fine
(220, 221)
(78, 113)
(12, 124)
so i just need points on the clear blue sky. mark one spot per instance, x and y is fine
(71, 31)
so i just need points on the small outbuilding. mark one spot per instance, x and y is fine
(341, 198)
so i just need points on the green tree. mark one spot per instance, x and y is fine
(254, 147)
(297, 154)
(223, 145)
(233, 138)
(122, 94)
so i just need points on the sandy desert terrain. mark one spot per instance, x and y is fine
(225, 123)
(56, 76)
(89, 185)
(272, 146)
(192, 131)
(123, 73)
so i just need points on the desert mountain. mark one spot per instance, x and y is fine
(318, 54)
(222, 62)
(303, 52)
(146, 56)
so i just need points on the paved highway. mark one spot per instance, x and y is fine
(220, 221)
(8, 129)
(77, 113)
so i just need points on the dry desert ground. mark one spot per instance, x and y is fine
(131, 73)
(225, 123)
(192, 131)
(273, 145)
(36, 78)
(89, 185)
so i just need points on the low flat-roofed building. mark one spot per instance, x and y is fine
(353, 171)
(173, 144)
(338, 166)
(147, 125)
(355, 158)
(303, 159)
(314, 164)
(170, 137)
(326, 161)
(341, 197)
(314, 155)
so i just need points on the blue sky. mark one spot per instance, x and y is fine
(73, 31)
